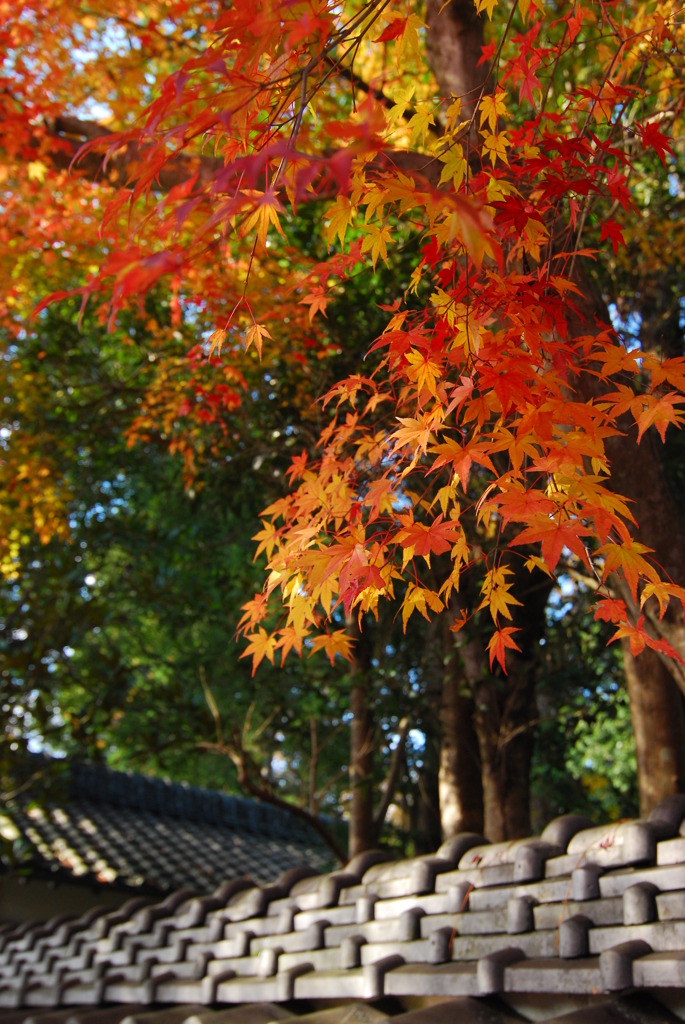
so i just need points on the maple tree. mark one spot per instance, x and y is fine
(481, 443)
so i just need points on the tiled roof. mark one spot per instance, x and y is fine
(581, 924)
(154, 836)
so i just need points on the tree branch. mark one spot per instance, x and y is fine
(248, 772)
(60, 141)
(59, 144)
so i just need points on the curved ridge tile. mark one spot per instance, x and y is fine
(560, 831)
(628, 842)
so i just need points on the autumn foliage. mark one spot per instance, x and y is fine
(476, 433)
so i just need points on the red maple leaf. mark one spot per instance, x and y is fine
(612, 230)
(651, 136)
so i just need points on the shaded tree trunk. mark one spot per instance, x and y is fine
(505, 711)
(362, 834)
(639, 474)
(658, 716)
(460, 786)
(453, 43)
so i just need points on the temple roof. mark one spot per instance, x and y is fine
(148, 835)
(580, 923)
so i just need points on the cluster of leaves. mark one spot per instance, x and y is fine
(497, 365)
(478, 432)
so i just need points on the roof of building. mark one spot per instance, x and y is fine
(153, 836)
(581, 924)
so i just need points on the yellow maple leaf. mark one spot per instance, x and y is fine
(423, 371)
(403, 98)
(453, 114)
(492, 107)
(495, 147)
(36, 170)
(338, 642)
(260, 646)
(216, 340)
(338, 216)
(455, 165)
(421, 122)
(418, 599)
(496, 592)
(486, 5)
(255, 336)
(264, 215)
(376, 239)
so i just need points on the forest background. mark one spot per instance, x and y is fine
(386, 205)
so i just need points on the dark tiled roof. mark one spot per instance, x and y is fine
(155, 836)
(582, 924)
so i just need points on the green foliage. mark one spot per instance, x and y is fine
(585, 751)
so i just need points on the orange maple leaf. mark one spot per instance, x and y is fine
(660, 413)
(255, 336)
(554, 535)
(499, 642)
(421, 539)
(289, 639)
(638, 638)
(332, 644)
(317, 300)
(260, 646)
(611, 609)
(628, 559)
(264, 215)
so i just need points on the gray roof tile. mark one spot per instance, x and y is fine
(554, 976)
(453, 979)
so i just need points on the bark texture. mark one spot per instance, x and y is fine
(460, 788)
(657, 711)
(639, 474)
(59, 142)
(453, 42)
(425, 818)
(362, 835)
(505, 712)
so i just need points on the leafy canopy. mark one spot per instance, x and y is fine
(494, 388)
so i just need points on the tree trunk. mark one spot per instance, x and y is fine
(505, 711)
(658, 716)
(454, 41)
(459, 780)
(638, 473)
(362, 834)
